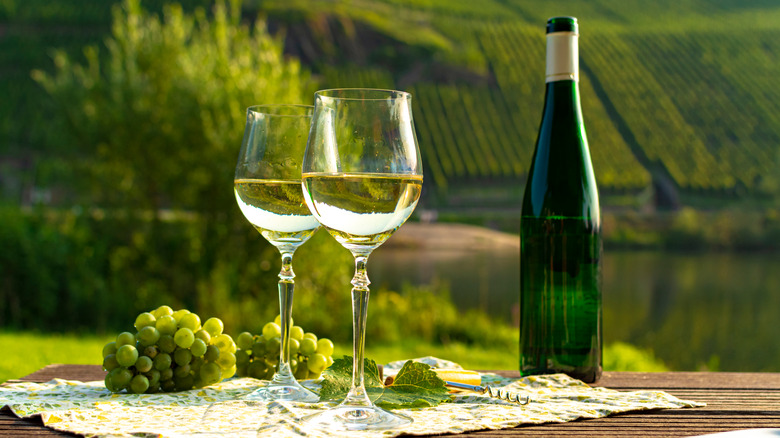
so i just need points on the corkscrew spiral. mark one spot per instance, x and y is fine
(497, 393)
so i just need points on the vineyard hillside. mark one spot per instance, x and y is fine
(680, 97)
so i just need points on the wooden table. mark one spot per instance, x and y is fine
(734, 401)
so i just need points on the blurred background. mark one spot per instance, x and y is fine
(120, 124)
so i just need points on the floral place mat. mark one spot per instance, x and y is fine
(88, 408)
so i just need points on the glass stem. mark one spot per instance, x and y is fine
(357, 395)
(286, 288)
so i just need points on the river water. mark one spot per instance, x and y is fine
(720, 310)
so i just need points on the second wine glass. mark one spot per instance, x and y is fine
(268, 191)
(362, 175)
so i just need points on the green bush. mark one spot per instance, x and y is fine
(86, 272)
(155, 120)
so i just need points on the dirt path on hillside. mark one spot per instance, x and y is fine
(450, 236)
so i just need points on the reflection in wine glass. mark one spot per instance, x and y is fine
(362, 178)
(268, 191)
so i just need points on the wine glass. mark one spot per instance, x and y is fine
(268, 191)
(362, 178)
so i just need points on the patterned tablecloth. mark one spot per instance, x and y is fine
(89, 409)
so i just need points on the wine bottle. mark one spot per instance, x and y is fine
(560, 229)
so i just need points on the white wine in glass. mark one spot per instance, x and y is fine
(362, 178)
(268, 190)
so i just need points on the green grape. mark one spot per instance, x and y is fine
(125, 338)
(162, 362)
(110, 362)
(162, 310)
(166, 374)
(212, 353)
(293, 365)
(325, 347)
(151, 351)
(177, 315)
(148, 335)
(317, 363)
(109, 382)
(203, 335)
(166, 344)
(153, 389)
(166, 324)
(168, 385)
(181, 371)
(198, 348)
(196, 363)
(244, 341)
(145, 319)
(311, 336)
(210, 373)
(257, 369)
(190, 321)
(242, 358)
(228, 373)
(308, 347)
(225, 343)
(302, 372)
(139, 384)
(153, 376)
(126, 355)
(278, 320)
(258, 348)
(143, 364)
(241, 370)
(296, 332)
(182, 357)
(330, 361)
(226, 360)
(120, 378)
(271, 330)
(273, 347)
(184, 383)
(213, 326)
(109, 348)
(184, 337)
(294, 346)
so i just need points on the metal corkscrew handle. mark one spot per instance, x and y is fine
(500, 394)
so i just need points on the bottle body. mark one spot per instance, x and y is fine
(560, 253)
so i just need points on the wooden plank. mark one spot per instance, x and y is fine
(690, 380)
(734, 401)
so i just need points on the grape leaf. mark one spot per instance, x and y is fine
(415, 385)
(337, 380)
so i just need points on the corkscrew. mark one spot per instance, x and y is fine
(500, 394)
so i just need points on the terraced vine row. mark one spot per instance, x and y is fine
(735, 114)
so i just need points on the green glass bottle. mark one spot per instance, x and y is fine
(560, 229)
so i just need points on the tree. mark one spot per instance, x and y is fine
(156, 121)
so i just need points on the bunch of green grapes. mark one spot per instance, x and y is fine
(258, 355)
(170, 351)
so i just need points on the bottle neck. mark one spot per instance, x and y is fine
(562, 57)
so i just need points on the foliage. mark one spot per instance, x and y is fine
(621, 356)
(156, 121)
(727, 229)
(688, 96)
(415, 385)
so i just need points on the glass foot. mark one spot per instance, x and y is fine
(286, 391)
(345, 417)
